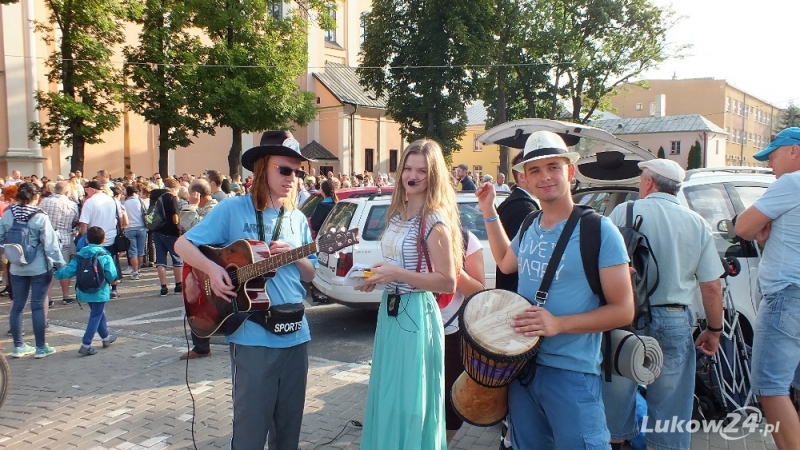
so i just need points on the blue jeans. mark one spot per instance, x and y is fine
(166, 244)
(138, 237)
(96, 324)
(36, 286)
(776, 344)
(558, 409)
(670, 396)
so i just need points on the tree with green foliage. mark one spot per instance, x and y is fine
(252, 65)
(790, 117)
(417, 54)
(598, 45)
(661, 154)
(164, 70)
(87, 103)
(695, 157)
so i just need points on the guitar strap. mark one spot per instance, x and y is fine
(235, 321)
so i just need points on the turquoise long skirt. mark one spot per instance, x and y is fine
(405, 400)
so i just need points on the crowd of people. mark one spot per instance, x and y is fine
(429, 266)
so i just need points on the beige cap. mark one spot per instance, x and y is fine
(667, 168)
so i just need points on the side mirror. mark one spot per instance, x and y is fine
(725, 227)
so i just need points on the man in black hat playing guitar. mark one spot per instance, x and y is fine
(269, 356)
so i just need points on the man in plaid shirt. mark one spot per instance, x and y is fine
(63, 214)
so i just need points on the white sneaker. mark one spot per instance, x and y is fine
(128, 271)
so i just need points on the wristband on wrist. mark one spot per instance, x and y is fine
(491, 219)
(713, 330)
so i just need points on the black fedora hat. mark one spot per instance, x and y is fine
(279, 143)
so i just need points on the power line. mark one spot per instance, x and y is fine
(254, 66)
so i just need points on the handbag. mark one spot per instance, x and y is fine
(442, 298)
(121, 242)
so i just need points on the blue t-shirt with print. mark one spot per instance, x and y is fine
(778, 268)
(234, 219)
(570, 292)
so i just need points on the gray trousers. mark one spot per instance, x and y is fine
(269, 391)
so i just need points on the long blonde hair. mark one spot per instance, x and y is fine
(440, 197)
(260, 188)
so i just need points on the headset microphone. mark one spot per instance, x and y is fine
(414, 182)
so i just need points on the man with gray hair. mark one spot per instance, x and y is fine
(688, 262)
(63, 214)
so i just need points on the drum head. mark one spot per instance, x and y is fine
(479, 405)
(486, 319)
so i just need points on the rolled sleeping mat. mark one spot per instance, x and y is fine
(638, 358)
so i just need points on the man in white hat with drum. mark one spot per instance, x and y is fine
(561, 406)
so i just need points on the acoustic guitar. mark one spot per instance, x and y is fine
(249, 264)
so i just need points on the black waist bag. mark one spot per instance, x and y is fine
(281, 319)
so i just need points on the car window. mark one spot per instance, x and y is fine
(749, 194)
(340, 216)
(376, 223)
(604, 201)
(472, 219)
(711, 201)
(310, 205)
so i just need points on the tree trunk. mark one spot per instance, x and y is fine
(235, 154)
(163, 151)
(78, 145)
(502, 117)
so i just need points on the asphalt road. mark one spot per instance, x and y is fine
(337, 332)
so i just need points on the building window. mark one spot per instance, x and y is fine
(652, 108)
(717, 151)
(476, 146)
(675, 148)
(330, 33)
(369, 161)
(728, 137)
(393, 160)
(275, 9)
(638, 106)
(727, 104)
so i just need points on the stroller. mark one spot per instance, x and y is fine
(722, 381)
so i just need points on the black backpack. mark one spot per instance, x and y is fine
(90, 276)
(645, 267)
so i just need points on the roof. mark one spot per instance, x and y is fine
(315, 150)
(663, 124)
(343, 82)
(476, 113)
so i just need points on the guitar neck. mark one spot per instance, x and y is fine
(274, 262)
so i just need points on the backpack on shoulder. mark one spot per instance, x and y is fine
(90, 276)
(18, 248)
(155, 218)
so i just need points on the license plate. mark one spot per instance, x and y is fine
(323, 258)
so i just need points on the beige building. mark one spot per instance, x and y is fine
(749, 121)
(350, 134)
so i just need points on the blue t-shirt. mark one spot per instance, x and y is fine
(778, 268)
(234, 219)
(570, 292)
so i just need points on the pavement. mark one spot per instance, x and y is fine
(137, 394)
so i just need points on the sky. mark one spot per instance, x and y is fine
(754, 45)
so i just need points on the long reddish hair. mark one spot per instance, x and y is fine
(260, 188)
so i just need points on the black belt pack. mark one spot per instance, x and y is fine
(284, 319)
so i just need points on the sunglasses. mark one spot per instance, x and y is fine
(286, 171)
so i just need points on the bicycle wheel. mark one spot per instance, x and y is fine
(5, 378)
